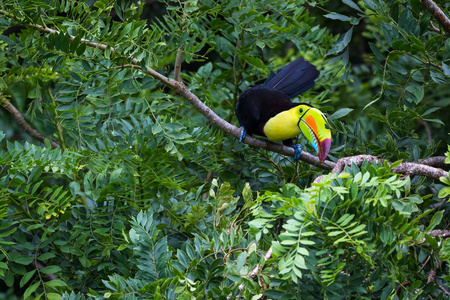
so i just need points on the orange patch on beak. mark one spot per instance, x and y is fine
(311, 122)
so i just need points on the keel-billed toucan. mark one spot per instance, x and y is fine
(267, 109)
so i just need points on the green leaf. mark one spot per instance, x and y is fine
(335, 16)
(288, 242)
(23, 260)
(306, 242)
(254, 61)
(431, 110)
(274, 293)
(8, 233)
(31, 290)
(81, 49)
(9, 278)
(334, 233)
(357, 229)
(241, 261)
(342, 112)
(182, 258)
(375, 51)
(299, 262)
(85, 262)
(74, 188)
(125, 31)
(7, 40)
(26, 277)
(347, 37)
(444, 192)
(353, 5)
(345, 221)
(46, 256)
(108, 52)
(35, 226)
(55, 283)
(435, 121)
(446, 69)
(436, 220)
(53, 296)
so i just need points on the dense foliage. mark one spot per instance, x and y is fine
(144, 198)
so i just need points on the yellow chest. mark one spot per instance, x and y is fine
(282, 126)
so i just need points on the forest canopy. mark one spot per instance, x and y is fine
(121, 174)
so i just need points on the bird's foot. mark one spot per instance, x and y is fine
(298, 151)
(243, 132)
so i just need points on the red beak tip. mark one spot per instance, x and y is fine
(325, 146)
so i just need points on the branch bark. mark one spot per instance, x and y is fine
(23, 123)
(436, 161)
(409, 169)
(438, 14)
(447, 293)
(405, 168)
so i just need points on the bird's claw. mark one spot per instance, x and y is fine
(243, 132)
(297, 152)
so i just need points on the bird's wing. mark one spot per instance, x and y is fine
(294, 79)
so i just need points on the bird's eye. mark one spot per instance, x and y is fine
(301, 110)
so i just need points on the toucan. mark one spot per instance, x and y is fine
(267, 109)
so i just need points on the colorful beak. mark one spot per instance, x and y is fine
(313, 125)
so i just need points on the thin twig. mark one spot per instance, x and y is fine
(275, 165)
(178, 62)
(427, 130)
(432, 274)
(23, 123)
(424, 264)
(447, 293)
(180, 51)
(399, 288)
(434, 28)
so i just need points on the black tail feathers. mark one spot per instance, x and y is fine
(294, 79)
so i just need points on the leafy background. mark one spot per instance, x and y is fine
(145, 198)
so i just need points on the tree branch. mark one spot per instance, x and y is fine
(255, 270)
(436, 161)
(23, 123)
(447, 293)
(443, 234)
(405, 168)
(438, 14)
(181, 90)
(409, 169)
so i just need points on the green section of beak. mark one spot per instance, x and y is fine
(314, 127)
